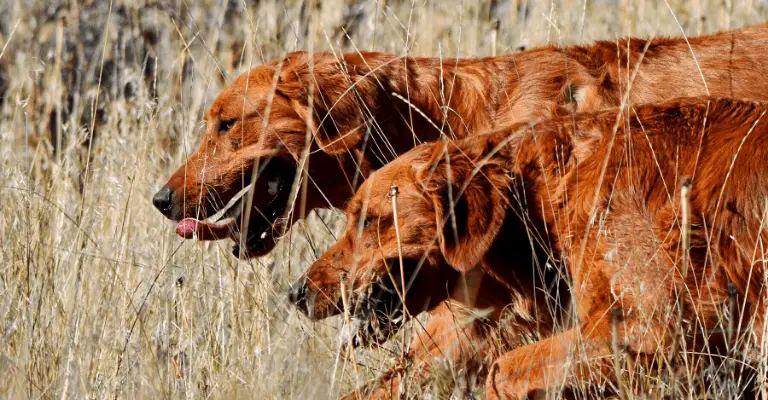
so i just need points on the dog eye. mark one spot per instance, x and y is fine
(225, 126)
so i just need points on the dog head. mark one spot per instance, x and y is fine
(447, 210)
(269, 121)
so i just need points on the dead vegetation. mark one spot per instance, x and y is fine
(100, 100)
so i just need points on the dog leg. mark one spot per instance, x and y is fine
(447, 336)
(455, 338)
(562, 360)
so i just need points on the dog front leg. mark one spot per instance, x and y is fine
(451, 336)
(562, 361)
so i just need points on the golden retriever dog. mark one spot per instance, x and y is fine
(327, 121)
(600, 194)
(362, 110)
(467, 306)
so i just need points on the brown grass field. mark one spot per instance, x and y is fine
(100, 101)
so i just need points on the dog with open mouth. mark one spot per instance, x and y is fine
(226, 223)
(326, 121)
(600, 194)
(350, 114)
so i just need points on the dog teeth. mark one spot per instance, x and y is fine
(351, 332)
(272, 187)
(311, 298)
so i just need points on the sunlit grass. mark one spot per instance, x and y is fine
(102, 101)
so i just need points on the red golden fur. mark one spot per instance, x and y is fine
(470, 305)
(358, 124)
(599, 193)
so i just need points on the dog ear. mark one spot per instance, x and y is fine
(340, 94)
(470, 195)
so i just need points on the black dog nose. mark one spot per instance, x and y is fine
(163, 200)
(297, 294)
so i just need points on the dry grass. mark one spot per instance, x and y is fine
(102, 101)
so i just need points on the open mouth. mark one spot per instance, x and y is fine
(378, 315)
(270, 195)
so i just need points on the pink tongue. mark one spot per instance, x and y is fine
(188, 228)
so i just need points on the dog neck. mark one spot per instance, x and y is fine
(417, 100)
(539, 159)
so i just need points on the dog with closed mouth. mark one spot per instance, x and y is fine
(362, 110)
(366, 262)
(597, 193)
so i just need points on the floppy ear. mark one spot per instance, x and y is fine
(470, 196)
(341, 96)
